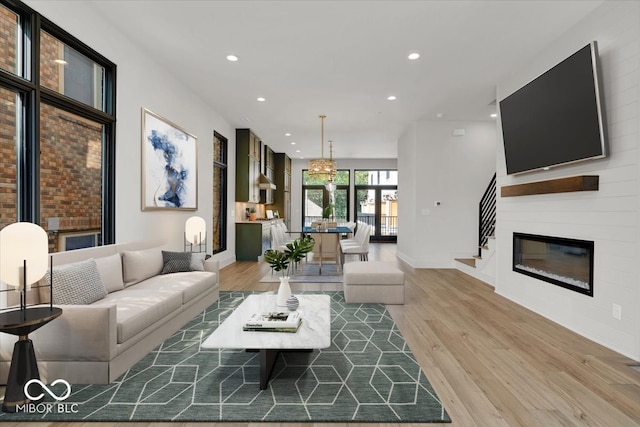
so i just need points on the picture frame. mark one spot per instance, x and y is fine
(169, 165)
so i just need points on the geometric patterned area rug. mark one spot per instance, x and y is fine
(368, 374)
(307, 272)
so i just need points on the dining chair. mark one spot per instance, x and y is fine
(359, 245)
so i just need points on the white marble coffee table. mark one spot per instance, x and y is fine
(313, 333)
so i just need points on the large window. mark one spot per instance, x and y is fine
(57, 134)
(219, 219)
(318, 202)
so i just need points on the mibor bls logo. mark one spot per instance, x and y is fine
(47, 408)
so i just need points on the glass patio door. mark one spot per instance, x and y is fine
(387, 206)
(378, 207)
(377, 202)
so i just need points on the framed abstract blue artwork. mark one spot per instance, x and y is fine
(169, 165)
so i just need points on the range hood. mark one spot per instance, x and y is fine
(265, 183)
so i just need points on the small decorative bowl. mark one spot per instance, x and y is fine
(292, 303)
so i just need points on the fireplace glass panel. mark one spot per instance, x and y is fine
(563, 262)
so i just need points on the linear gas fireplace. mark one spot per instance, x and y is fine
(563, 262)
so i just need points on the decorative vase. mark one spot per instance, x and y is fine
(252, 216)
(284, 292)
(293, 303)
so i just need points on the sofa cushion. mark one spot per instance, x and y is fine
(110, 269)
(175, 262)
(190, 285)
(140, 265)
(138, 309)
(77, 283)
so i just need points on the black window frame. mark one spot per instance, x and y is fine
(223, 165)
(27, 83)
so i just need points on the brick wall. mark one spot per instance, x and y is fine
(7, 158)
(7, 121)
(51, 72)
(7, 39)
(70, 173)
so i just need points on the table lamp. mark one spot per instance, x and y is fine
(24, 251)
(24, 247)
(195, 233)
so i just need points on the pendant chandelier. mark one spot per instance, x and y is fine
(323, 168)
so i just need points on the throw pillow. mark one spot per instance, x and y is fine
(140, 265)
(197, 261)
(175, 262)
(77, 283)
(110, 269)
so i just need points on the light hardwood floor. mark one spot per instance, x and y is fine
(492, 362)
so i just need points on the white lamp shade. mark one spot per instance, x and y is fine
(19, 242)
(195, 230)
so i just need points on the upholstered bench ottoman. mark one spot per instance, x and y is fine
(373, 282)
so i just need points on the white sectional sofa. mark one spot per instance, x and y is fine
(94, 342)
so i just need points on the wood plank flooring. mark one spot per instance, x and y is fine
(492, 362)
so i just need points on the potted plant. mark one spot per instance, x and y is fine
(282, 261)
(252, 214)
(327, 211)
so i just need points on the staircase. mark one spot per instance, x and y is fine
(483, 266)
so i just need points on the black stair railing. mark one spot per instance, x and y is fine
(487, 215)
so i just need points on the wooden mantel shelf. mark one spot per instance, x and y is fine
(560, 185)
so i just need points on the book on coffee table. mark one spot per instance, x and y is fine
(273, 322)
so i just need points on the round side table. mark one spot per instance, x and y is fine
(24, 366)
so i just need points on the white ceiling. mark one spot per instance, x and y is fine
(343, 59)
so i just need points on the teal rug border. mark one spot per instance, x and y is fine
(107, 403)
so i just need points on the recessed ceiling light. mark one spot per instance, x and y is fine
(297, 151)
(232, 58)
(494, 115)
(413, 56)
(287, 134)
(301, 157)
(261, 99)
(293, 143)
(391, 98)
(440, 115)
(60, 61)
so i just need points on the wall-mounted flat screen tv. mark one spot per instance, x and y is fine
(556, 118)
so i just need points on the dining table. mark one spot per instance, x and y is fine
(319, 230)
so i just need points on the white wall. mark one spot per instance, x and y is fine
(408, 217)
(609, 216)
(142, 82)
(436, 166)
(298, 165)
